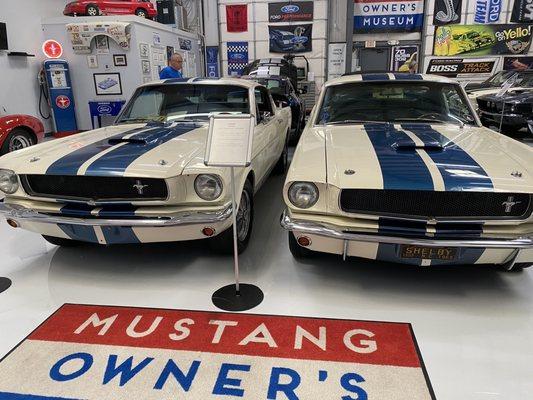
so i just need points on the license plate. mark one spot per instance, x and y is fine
(428, 253)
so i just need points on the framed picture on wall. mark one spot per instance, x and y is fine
(92, 61)
(107, 83)
(120, 60)
(102, 44)
(146, 68)
(144, 50)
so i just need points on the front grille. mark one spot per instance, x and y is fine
(426, 204)
(95, 188)
(489, 106)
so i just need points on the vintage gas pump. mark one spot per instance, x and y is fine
(61, 97)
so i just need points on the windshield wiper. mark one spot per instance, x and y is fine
(355, 121)
(145, 120)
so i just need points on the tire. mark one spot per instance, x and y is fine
(92, 10)
(283, 161)
(61, 241)
(223, 243)
(298, 251)
(141, 12)
(17, 139)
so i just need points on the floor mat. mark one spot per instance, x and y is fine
(108, 352)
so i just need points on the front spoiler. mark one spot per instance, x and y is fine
(337, 232)
(21, 213)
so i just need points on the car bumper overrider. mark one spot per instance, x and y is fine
(335, 239)
(120, 228)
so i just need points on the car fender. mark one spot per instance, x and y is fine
(27, 122)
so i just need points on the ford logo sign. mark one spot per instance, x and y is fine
(238, 56)
(104, 109)
(290, 9)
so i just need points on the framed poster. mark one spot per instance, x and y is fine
(290, 38)
(447, 12)
(144, 50)
(120, 60)
(92, 61)
(146, 67)
(107, 83)
(405, 58)
(102, 44)
(229, 140)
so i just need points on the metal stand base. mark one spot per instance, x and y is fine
(226, 298)
(5, 283)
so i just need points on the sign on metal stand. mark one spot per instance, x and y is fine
(229, 144)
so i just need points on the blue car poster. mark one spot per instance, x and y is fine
(290, 38)
(237, 57)
(372, 16)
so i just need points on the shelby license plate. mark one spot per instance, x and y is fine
(428, 253)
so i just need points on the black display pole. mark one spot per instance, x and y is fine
(238, 296)
(5, 283)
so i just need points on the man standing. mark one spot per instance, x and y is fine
(174, 68)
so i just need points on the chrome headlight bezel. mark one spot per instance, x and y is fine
(205, 192)
(303, 194)
(9, 182)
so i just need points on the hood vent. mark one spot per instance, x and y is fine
(405, 145)
(125, 140)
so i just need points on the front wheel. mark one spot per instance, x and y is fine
(92, 10)
(223, 243)
(61, 241)
(16, 140)
(140, 12)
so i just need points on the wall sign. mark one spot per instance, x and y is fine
(290, 38)
(517, 63)
(52, 49)
(488, 11)
(404, 59)
(287, 11)
(447, 12)
(185, 44)
(371, 16)
(212, 61)
(460, 67)
(237, 18)
(522, 11)
(336, 60)
(237, 57)
(482, 39)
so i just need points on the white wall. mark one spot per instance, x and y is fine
(19, 91)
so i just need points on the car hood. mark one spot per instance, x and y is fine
(140, 150)
(425, 157)
(517, 96)
(482, 92)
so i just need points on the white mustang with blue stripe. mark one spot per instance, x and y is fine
(397, 167)
(144, 179)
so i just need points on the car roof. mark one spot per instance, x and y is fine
(205, 81)
(387, 76)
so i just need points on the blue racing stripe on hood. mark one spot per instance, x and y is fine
(70, 163)
(400, 169)
(458, 169)
(115, 162)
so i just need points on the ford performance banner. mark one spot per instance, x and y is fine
(482, 39)
(371, 16)
(447, 12)
(522, 11)
(290, 11)
(290, 38)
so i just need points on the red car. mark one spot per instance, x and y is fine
(19, 131)
(141, 8)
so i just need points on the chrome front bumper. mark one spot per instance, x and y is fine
(20, 213)
(337, 232)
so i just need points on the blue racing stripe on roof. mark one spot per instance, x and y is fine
(458, 169)
(400, 169)
(116, 161)
(375, 77)
(70, 163)
(407, 77)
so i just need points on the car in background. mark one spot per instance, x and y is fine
(512, 111)
(143, 179)
(285, 95)
(275, 66)
(397, 168)
(19, 131)
(93, 8)
(494, 84)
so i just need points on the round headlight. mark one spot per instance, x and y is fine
(303, 194)
(9, 182)
(208, 187)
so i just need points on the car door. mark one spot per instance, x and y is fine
(263, 135)
(117, 6)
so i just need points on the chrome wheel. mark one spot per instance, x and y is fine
(244, 216)
(18, 142)
(92, 11)
(141, 13)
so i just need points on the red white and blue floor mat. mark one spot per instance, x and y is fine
(106, 352)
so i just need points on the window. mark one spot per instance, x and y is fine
(262, 100)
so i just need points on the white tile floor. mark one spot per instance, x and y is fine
(474, 325)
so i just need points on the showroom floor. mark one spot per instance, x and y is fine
(474, 325)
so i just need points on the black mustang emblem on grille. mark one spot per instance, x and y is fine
(510, 203)
(139, 187)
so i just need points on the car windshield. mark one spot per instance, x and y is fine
(524, 80)
(394, 101)
(498, 79)
(170, 102)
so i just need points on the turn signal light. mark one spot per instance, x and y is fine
(12, 223)
(207, 231)
(304, 241)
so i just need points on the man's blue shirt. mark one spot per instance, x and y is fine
(169, 72)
